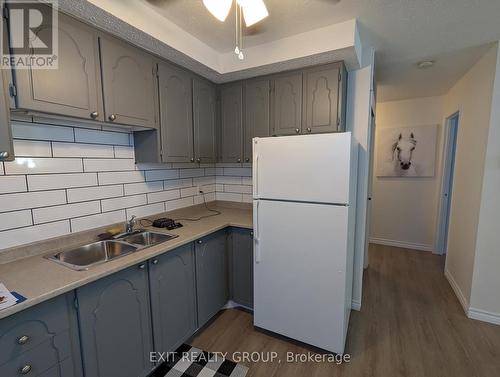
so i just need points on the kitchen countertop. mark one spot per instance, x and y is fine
(39, 279)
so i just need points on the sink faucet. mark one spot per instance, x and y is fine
(130, 225)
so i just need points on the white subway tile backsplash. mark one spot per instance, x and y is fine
(15, 183)
(191, 191)
(66, 211)
(204, 180)
(141, 188)
(37, 165)
(147, 210)
(238, 189)
(227, 180)
(17, 219)
(25, 200)
(210, 171)
(243, 172)
(246, 181)
(163, 196)
(229, 196)
(110, 178)
(92, 193)
(178, 183)
(247, 198)
(95, 221)
(20, 236)
(124, 152)
(60, 181)
(210, 197)
(82, 150)
(108, 164)
(179, 203)
(1, 169)
(188, 173)
(32, 148)
(83, 135)
(123, 202)
(157, 175)
(22, 130)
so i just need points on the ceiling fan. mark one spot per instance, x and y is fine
(252, 11)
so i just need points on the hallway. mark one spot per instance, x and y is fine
(411, 324)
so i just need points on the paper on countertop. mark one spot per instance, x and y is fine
(6, 298)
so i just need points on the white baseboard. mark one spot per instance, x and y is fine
(402, 244)
(355, 305)
(231, 305)
(483, 315)
(458, 292)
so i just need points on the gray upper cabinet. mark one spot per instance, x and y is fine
(173, 298)
(176, 113)
(115, 324)
(256, 114)
(287, 104)
(241, 266)
(322, 95)
(74, 88)
(211, 275)
(6, 147)
(231, 130)
(204, 114)
(40, 339)
(128, 83)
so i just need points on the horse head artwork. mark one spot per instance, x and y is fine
(402, 154)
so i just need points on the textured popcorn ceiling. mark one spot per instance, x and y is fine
(402, 32)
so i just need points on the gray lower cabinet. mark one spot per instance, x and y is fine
(115, 324)
(176, 113)
(240, 246)
(173, 298)
(256, 122)
(74, 88)
(204, 119)
(211, 275)
(231, 130)
(41, 341)
(128, 83)
(323, 106)
(287, 104)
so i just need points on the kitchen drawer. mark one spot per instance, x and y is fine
(28, 329)
(39, 359)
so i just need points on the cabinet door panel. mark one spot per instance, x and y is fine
(241, 255)
(176, 114)
(173, 298)
(321, 99)
(211, 275)
(6, 146)
(231, 123)
(115, 320)
(204, 120)
(256, 114)
(287, 104)
(74, 88)
(128, 84)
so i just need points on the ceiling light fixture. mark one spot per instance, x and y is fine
(252, 11)
(425, 64)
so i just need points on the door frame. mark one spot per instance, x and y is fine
(450, 136)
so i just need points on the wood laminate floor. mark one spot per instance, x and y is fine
(411, 324)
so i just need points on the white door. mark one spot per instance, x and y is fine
(309, 168)
(300, 271)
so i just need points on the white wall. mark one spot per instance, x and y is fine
(472, 96)
(405, 210)
(485, 295)
(359, 94)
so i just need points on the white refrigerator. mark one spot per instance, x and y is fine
(304, 190)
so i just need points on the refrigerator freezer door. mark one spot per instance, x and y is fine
(309, 168)
(300, 271)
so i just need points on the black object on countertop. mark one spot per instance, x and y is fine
(165, 222)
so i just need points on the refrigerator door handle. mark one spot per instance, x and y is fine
(256, 178)
(256, 233)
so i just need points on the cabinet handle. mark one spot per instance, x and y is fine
(198, 160)
(297, 130)
(247, 159)
(94, 114)
(142, 266)
(112, 117)
(26, 369)
(155, 261)
(23, 339)
(238, 160)
(251, 234)
(192, 159)
(308, 129)
(199, 241)
(4, 154)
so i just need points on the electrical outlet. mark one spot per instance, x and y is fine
(199, 189)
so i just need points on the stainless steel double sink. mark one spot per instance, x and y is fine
(86, 256)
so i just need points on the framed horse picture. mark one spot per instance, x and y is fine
(406, 151)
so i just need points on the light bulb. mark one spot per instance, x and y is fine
(236, 50)
(241, 56)
(219, 8)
